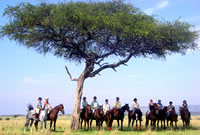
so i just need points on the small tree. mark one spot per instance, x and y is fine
(90, 33)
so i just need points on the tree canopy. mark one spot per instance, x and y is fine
(91, 32)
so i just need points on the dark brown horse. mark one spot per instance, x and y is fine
(108, 119)
(152, 116)
(137, 115)
(53, 115)
(185, 116)
(172, 117)
(98, 115)
(162, 116)
(118, 114)
(86, 114)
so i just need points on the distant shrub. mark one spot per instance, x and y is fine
(7, 119)
(15, 116)
(1, 119)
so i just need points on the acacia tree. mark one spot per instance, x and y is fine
(90, 33)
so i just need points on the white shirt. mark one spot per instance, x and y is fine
(106, 107)
(135, 106)
(95, 104)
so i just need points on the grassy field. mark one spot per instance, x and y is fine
(15, 126)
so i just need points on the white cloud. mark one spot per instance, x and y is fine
(162, 4)
(159, 6)
(149, 11)
(29, 80)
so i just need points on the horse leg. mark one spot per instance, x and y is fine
(26, 124)
(42, 124)
(31, 126)
(158, 123)
(55, 125)
(91, 123)
(45, 124)
(175, 124)
(133, 123)
(140, 125)
(84, 124)
(147, 123)
(167, 123)
(129, 121)
(36, 125)
(50, 124)
(136, 124)
(171, 123)
(81, 122)
(122, 124)
(88, 124)
(118, 123)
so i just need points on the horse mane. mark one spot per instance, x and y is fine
(123, 107)
(30, 107)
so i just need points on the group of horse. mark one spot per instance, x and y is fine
(154, 117)
(46, 114)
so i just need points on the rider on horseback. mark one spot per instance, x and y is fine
(160, 106)
(38, 107)
(84, 103)
(135, 105)
(117, 104)
(151, 105)
(185, 105)
(46, 102)
(170, 107)
(106, 107)
(94, 104)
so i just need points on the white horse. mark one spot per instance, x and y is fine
(42, 117)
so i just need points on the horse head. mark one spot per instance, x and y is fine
(125, 107)
(88, 108)
(61, 108)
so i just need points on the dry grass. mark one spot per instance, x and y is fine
(15, 126)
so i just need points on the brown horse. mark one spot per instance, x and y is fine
(118, 114)
(185, 116)
(86, 114)
(137, 115)
(152, 116)
(53, 115)
(162, 116)
(172, 117)
(108, 119)
(98, 115)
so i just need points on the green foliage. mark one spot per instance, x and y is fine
(7, 118)
(15, 116)
(81, 31)
(1, 118)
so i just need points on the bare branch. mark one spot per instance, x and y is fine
(112, 66)
(70, 76)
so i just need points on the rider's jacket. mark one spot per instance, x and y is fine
(117, 105)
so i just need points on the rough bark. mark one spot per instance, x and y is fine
(76, 111)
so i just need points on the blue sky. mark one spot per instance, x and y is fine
(25, 75)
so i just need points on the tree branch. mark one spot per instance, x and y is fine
(112, 66)
(70, 76)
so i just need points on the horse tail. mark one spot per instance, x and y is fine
(30, 107)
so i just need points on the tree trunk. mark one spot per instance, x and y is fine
(76, 111)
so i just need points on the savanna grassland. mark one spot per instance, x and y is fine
(15, 126)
